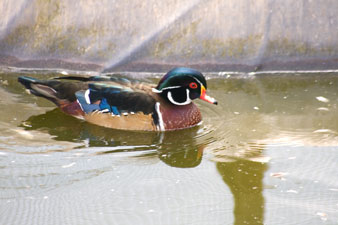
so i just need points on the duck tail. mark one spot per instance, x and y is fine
(39, 88)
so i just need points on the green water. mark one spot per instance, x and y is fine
(267, 154)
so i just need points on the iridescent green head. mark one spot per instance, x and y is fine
(181, 76)
(181, 85)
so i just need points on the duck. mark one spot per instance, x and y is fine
(127, 104)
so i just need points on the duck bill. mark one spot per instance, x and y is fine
(206, 97)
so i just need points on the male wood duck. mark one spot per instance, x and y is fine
(120, 103)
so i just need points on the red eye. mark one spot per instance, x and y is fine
(193, 85)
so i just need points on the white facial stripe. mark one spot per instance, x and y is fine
(172, 87)
(160, 119)
(198, 81)
(155, 90)
(188, 101)
(160, 91)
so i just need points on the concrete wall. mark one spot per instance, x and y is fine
(154, 35)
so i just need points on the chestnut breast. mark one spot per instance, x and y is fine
(179, 117)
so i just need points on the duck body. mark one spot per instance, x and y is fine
(120, 103)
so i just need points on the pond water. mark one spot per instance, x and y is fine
(267, 154)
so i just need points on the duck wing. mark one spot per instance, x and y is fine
(118, 107)
(115, 99)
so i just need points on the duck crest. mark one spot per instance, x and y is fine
(121, 103)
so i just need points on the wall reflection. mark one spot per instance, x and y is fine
(245, 180)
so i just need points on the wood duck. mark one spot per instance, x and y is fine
(120, 103)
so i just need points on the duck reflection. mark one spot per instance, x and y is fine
(184, 154)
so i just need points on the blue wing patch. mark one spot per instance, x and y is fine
(115, 110)
(98, 92)
(105, 107)
(87, 108)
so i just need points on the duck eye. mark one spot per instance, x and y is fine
(193, 85)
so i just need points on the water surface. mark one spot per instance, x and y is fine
(267, 154)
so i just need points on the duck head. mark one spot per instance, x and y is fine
(182, 85)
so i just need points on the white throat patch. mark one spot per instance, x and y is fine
(187, 101)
